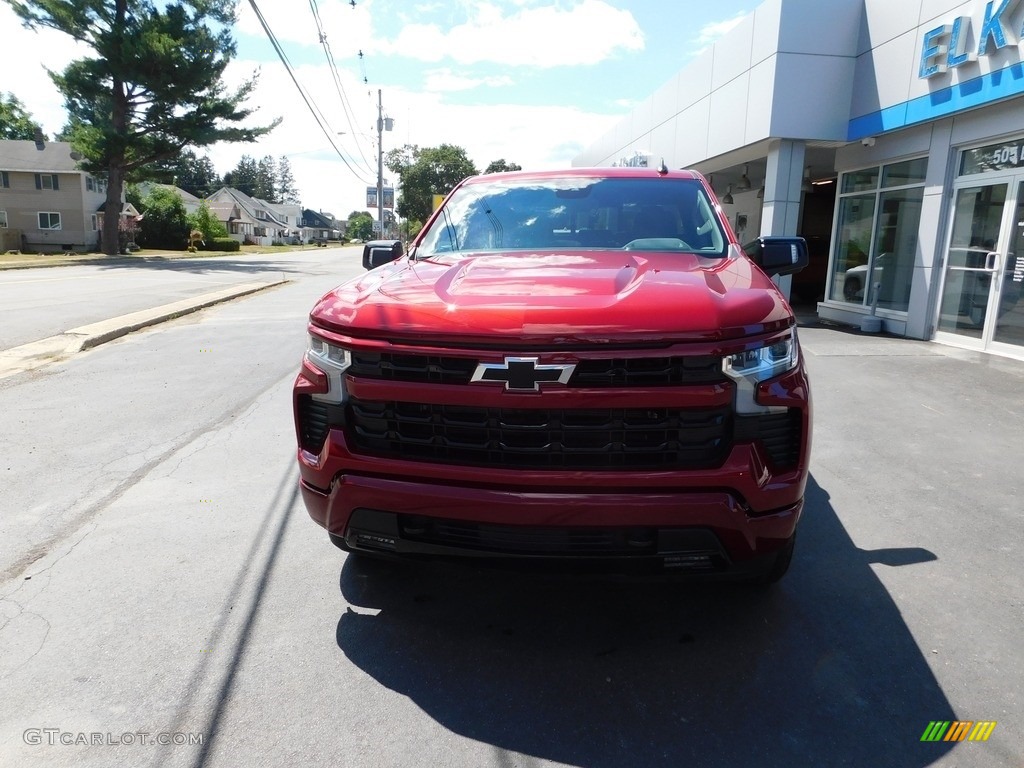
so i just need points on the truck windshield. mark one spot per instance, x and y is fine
(650, 214)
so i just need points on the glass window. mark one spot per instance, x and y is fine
(892, 263)
(5, 180)
(49, 220)
(852, 246)
(876, 235)
(3, 219)
(89, 184)
(907, 172)
(559, 213)
(859, 181)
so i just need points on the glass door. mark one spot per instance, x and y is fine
(1008, 318)
(973, 265)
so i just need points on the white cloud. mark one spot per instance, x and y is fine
(443, 80)
(26, 78)
(518, 133)
(587, 33)
(581, 33)
(711, 32)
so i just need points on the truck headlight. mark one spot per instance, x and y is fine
(333, 361)
(752, 366)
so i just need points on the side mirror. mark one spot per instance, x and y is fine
(377, 252)
(778, 255)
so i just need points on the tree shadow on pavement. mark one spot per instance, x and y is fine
(819, 670)
(197, 265)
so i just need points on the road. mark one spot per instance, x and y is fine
(42, 302)
(160, 576)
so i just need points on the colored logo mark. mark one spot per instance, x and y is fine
(958, 730)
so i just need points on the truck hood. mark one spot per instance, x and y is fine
(559, 297)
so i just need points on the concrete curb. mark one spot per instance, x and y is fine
(65, 345)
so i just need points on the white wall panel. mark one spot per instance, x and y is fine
(691, 128)
(884, 20)
(732, 53)
(727, 124)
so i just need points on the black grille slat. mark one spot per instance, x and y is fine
(649, 371)
(314, 423)
(542, 438)
(618, 372)
(779, 433)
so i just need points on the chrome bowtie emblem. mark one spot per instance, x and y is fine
(523, 374)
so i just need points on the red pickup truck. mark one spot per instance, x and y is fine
(580, 367)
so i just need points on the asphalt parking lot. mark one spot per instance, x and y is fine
(162, 577)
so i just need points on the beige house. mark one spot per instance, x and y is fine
(248, 219)
(46, 204)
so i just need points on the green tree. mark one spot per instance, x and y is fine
(360, 226)
(244, 176)
(15, 121)
(266, 180)
(425, 173)
(165, 222)
(207, 223)
(286, 189)
(500, 166)
(192, 173)
(153, 87)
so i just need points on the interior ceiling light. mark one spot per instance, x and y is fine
(727, 200)
(744, 183)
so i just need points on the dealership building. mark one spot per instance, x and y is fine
(889, 134)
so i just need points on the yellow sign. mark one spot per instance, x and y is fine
(438, 199)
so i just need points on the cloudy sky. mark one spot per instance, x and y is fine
(530, 81)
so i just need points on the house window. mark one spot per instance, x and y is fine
(3, 219)
(90, 185)
(49, 220)
(47, 181)
(95, 222)
(5, 180)
(877, 218)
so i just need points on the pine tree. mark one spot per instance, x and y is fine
(286, 189)
(266, 180)
(153, 86)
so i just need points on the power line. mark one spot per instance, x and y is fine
(332, 66)
(315, 110)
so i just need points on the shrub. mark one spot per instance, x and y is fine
(205, 221)
(222, 244)
(165, 224)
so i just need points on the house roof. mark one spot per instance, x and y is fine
(226, 211)
(54, 157)
(251, 205)
(309, 213)
(186, 197)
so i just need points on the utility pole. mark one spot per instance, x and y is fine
(380, 163)
(383, 124)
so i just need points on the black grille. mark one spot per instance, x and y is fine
(417, 368)
(315, 420)
(630, 438)
(778, 432)
(648, 371)
(313, 425)
(621, 372)
(532, 540)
